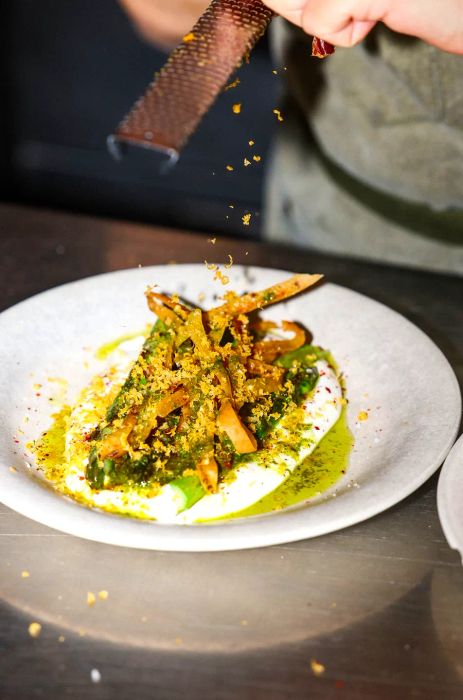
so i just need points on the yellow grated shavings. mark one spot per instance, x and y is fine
(318, 669)
(35, 629)
(232, 85)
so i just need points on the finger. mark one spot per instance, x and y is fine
(350, 33)
(342, 22)
(289, 9)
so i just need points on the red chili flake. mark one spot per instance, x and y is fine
(16, 441)
(38, 393)
(321, 48)
(328, 389)
(316, 427)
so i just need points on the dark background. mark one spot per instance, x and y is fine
(70, 70)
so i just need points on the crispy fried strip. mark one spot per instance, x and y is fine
(193, 328)
(258, 300)
(208, 472)
(171, 402)
(174, 304)
(224, 380)
(161, 311)
(269, 350)
(158, 409)
(115, 444)
(262, 369)
(241, 437)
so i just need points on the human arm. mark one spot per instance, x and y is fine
(347, 22)
(164, 22)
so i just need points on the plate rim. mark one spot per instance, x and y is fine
(445, 507)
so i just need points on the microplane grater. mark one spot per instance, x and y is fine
(195, 73)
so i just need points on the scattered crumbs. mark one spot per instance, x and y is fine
(251, 142)
(278, 115)
(178, 641)
(232, 85)
(275, 72)
(243, 623)
(246, 252)
(220, 276)
(363, 415)
(230, 262)
(103, 595)
(189, 37)
(95, 675)
(25, 574)
(13, 470)
(317, 668)
(34, 629)
(210, 266)
(231, 206)
(212, 240)
(236, 108)
(90, 599)
(257, 158)
(230, 167)
(246, 162)
(61, 638)
(201, 296)
(36, 387)
(246, 218)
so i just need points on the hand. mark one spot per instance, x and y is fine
(164, 22)
(347, 22)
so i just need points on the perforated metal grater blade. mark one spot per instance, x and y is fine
(195, 73)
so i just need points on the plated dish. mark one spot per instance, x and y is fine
(218, 409)
(402, 426)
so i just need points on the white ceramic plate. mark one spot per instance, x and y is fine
(393, 372)
(450, 497)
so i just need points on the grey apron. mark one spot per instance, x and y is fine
(369, 158)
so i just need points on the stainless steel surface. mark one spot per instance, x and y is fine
(378, 605)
